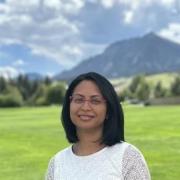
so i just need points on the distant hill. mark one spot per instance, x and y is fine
(149, 54)
(166, 80)
(34, 76)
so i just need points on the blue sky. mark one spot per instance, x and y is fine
(49, 36)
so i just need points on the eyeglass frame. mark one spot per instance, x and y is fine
(101, 100)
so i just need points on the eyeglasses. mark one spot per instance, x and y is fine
(80, 100)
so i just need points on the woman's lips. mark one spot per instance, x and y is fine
(86, 117)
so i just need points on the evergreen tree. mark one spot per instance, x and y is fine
(39, 96)
(143, 91)
(25, 86)
(134, 85)
(47, 80)
(55, 94)
(3, 85)
(159, 91)
(175, 87)
(135, 82)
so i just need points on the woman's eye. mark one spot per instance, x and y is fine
(95, 101)
(78, 100)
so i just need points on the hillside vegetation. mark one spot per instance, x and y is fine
(142, 88)
(165, 78)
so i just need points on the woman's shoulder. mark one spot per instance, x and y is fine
(134, 164)
(132, 152)
(52, 163)
(128, 151)
(124, 152)
(64, 152)
(119, 147)
(116, 152)
(131, 160)
(125, 147)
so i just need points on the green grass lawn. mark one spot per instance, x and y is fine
(30, 136)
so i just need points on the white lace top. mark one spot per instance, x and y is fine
(122, 161)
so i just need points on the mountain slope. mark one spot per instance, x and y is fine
(149, 54)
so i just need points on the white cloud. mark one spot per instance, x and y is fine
(68, 7)
(73, 6)
(167, 3)
(67, 55)
(137, 9)
(42, 27)
(108, 3)
(133, 4)
(128, 17)
(70, 54)
(54, 36)
(53, 3)
(18, 63)
(4, 8)
(8, 72)
(172, 32)
(22, 5)
(53, 28)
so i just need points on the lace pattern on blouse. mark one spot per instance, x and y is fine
(134, 166)
(50, 170)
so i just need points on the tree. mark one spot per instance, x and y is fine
(159, 91)
(134, 86)
(55, 94)
(27, 87)
(175, 86)
(39, 96)
(3, 84)
(143, 91)
(125, 94)
(11, 97)
(24, 86)
(135, 82)
(47, 80)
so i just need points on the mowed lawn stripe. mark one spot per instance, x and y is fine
(156, 131)
(30, 136)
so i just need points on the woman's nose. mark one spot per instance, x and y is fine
(86, 105)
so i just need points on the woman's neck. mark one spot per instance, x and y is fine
(88, 143)
(84, 149)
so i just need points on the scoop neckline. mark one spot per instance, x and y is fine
(87, 156)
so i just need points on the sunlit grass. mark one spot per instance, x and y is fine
(30, 136)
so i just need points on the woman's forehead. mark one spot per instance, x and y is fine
(87, 86)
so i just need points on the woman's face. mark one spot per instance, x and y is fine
(88, 107)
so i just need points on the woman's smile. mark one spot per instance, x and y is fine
(85, 117)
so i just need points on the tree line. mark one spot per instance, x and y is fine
(139, 89)
(22, 91)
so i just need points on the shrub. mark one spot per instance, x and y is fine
(11, 97)
(39, 97)
(55, 94)
(10, 101)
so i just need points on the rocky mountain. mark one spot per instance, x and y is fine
(149, 54)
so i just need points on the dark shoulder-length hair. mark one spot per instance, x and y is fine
(113, 129)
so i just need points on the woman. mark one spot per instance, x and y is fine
(94, 123)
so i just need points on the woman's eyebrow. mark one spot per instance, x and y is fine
(99, 95)
(95, 95)
(77, 94)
